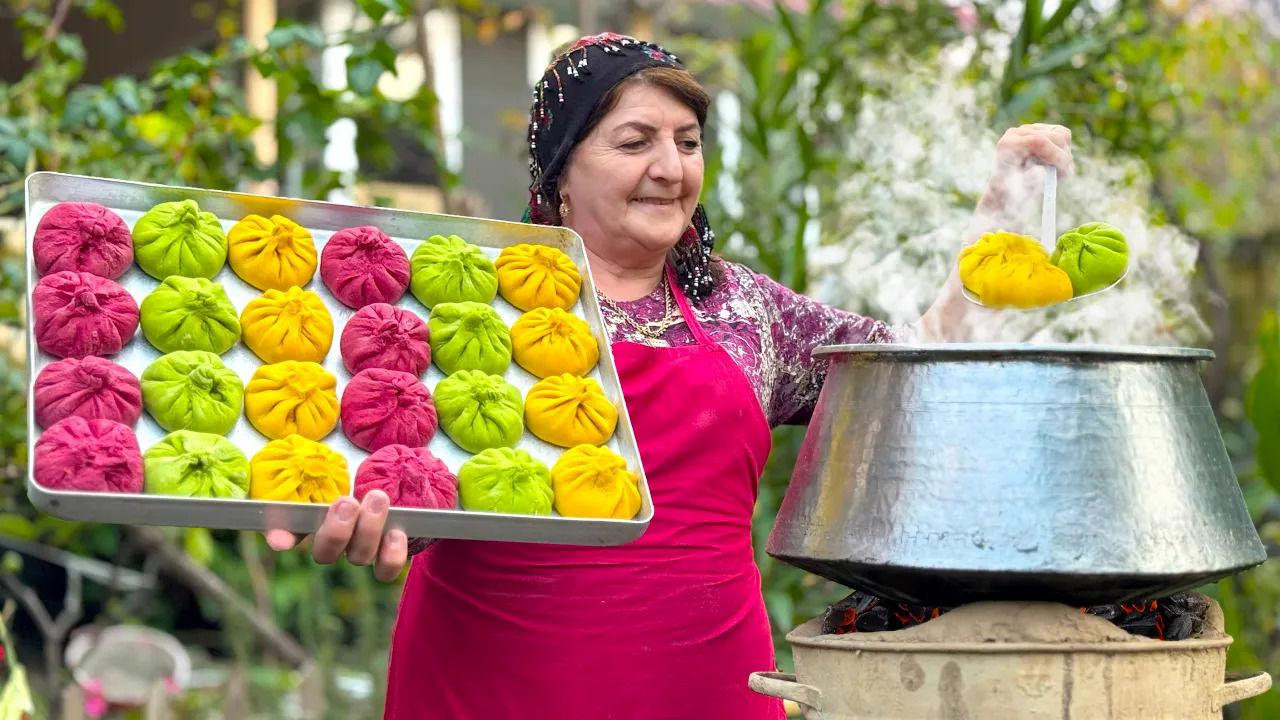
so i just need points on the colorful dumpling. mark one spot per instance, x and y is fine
(296, 469)
(594, 482)
(451, 270)
(88, 456)
(195, 464)
(1094, 256)
(388, 337)
(90, 387)
(78, 314)
(551, 341)
(274, 254)
(531, 276)
(1005, 269)
(178, 238)
(291, 324)
(479, 411)
(292, 398)
(504, 480)
(410, 476)
(361, 265)
(469, 336)
(568, 410)
(387, 407)
(84, 237)
(192, 390)
(185, 313)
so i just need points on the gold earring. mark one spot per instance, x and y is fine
(564, 206)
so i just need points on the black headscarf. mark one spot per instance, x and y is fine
(564, 100)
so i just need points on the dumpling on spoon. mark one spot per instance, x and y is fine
(1094, 256)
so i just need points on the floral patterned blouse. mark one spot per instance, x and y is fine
(768, 329)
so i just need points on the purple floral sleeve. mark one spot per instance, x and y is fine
(801, 325)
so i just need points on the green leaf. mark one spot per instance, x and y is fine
(385, 55)
(378, 9)
(288, 32)
(107, 11)
(1061, 56)
(17, 526)
(198, 543)
(1262, 401)
(363, 73)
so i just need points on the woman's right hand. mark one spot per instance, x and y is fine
(357, 530)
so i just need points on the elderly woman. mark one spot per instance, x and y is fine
(711, 356)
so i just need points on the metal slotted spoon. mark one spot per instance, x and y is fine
(1049, 235)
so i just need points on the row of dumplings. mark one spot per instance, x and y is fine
(98, 455)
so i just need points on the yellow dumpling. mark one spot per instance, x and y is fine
(531, 276)
(292, 398)
(568, 410)
(287, 325)
(296, 469)
(594, 482)
(551, 341)
(1005, 269)
(274, 254)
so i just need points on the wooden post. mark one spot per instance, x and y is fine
(260, 92)
(588, 18)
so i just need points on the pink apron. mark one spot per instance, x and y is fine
(667, 627)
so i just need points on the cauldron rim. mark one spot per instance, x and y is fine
(993, 351)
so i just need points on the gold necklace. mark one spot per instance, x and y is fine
(654, 329)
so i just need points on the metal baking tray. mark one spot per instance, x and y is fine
(131, 199)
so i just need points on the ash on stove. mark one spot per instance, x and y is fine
(1176, 617)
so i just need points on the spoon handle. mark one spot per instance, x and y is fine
(1049, 210)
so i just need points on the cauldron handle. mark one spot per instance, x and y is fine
(1242, 685)
(784, 685)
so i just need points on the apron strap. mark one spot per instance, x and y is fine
(685, 310)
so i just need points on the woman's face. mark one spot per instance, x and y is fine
(632, 184)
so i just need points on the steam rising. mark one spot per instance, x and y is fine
(905, 216)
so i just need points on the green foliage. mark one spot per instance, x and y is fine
(799, 83)
(187, 123)
(1262, 401)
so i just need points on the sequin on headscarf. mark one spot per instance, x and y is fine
(564, 99)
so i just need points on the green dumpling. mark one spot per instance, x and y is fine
(479, 411)
(469, 336)
(450, 269)
(189, 314)
(1094, 256)
(506, 481)
(196, 464)
(178, 238)
(192, 390)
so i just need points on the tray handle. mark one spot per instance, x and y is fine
(1242, 685)
(784, 685)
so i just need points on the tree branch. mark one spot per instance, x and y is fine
(204, 581)
(59, 17)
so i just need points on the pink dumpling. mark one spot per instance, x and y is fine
(361, 265)
(83, 237)
(410, 476)
(387, 407)
(388, 337)
(89, 456)
(91, 388)
(78, 314)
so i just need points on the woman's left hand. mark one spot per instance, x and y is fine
(951, 317)
(1039, 143)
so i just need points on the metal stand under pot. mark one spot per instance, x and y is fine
(956, 474)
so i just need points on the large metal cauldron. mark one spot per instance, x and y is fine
(954, 473)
